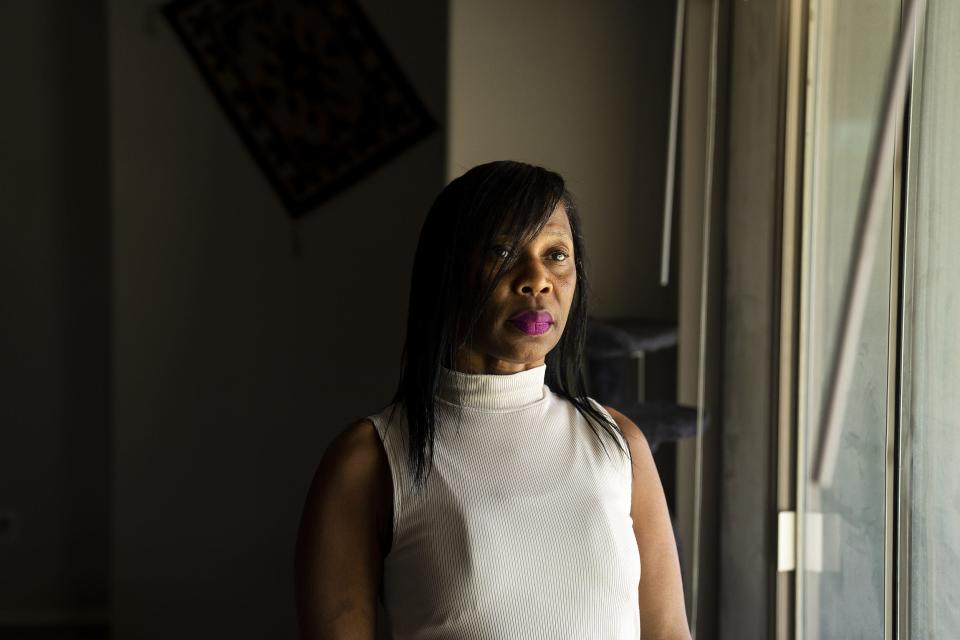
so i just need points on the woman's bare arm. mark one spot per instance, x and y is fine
(340, 545)
(663, 615)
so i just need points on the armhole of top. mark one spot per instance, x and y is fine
(386, 442)
(620, 436)
(623, 440)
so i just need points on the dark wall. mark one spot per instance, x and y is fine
(55, 314)
(236, 360)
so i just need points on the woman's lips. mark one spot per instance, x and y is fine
(532, 323)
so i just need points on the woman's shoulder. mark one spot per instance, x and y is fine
(355, 444)
(357, 450)
(355, 462)
(355, 457)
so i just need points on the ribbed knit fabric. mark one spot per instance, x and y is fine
(524, 528)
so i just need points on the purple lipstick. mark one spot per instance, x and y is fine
(533, 323)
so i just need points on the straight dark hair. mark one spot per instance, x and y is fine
(447, 291)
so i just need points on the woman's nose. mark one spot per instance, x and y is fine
(532, 277)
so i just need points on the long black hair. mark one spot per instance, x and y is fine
(447, 291)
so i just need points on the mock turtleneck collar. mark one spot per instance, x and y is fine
(491, 391)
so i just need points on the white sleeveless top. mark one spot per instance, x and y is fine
(524, 527)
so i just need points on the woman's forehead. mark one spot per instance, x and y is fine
(558, 224)
(551, 229)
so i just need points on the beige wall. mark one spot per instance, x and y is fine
(581, 88)
(236, 360)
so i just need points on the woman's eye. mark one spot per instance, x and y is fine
(503, 251)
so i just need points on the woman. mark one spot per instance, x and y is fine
(492, 498)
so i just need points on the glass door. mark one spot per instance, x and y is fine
(878, 547)
(929, 531)
(841, 542)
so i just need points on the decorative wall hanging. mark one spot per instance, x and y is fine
(308, 84)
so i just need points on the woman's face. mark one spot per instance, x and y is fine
(527, 312)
